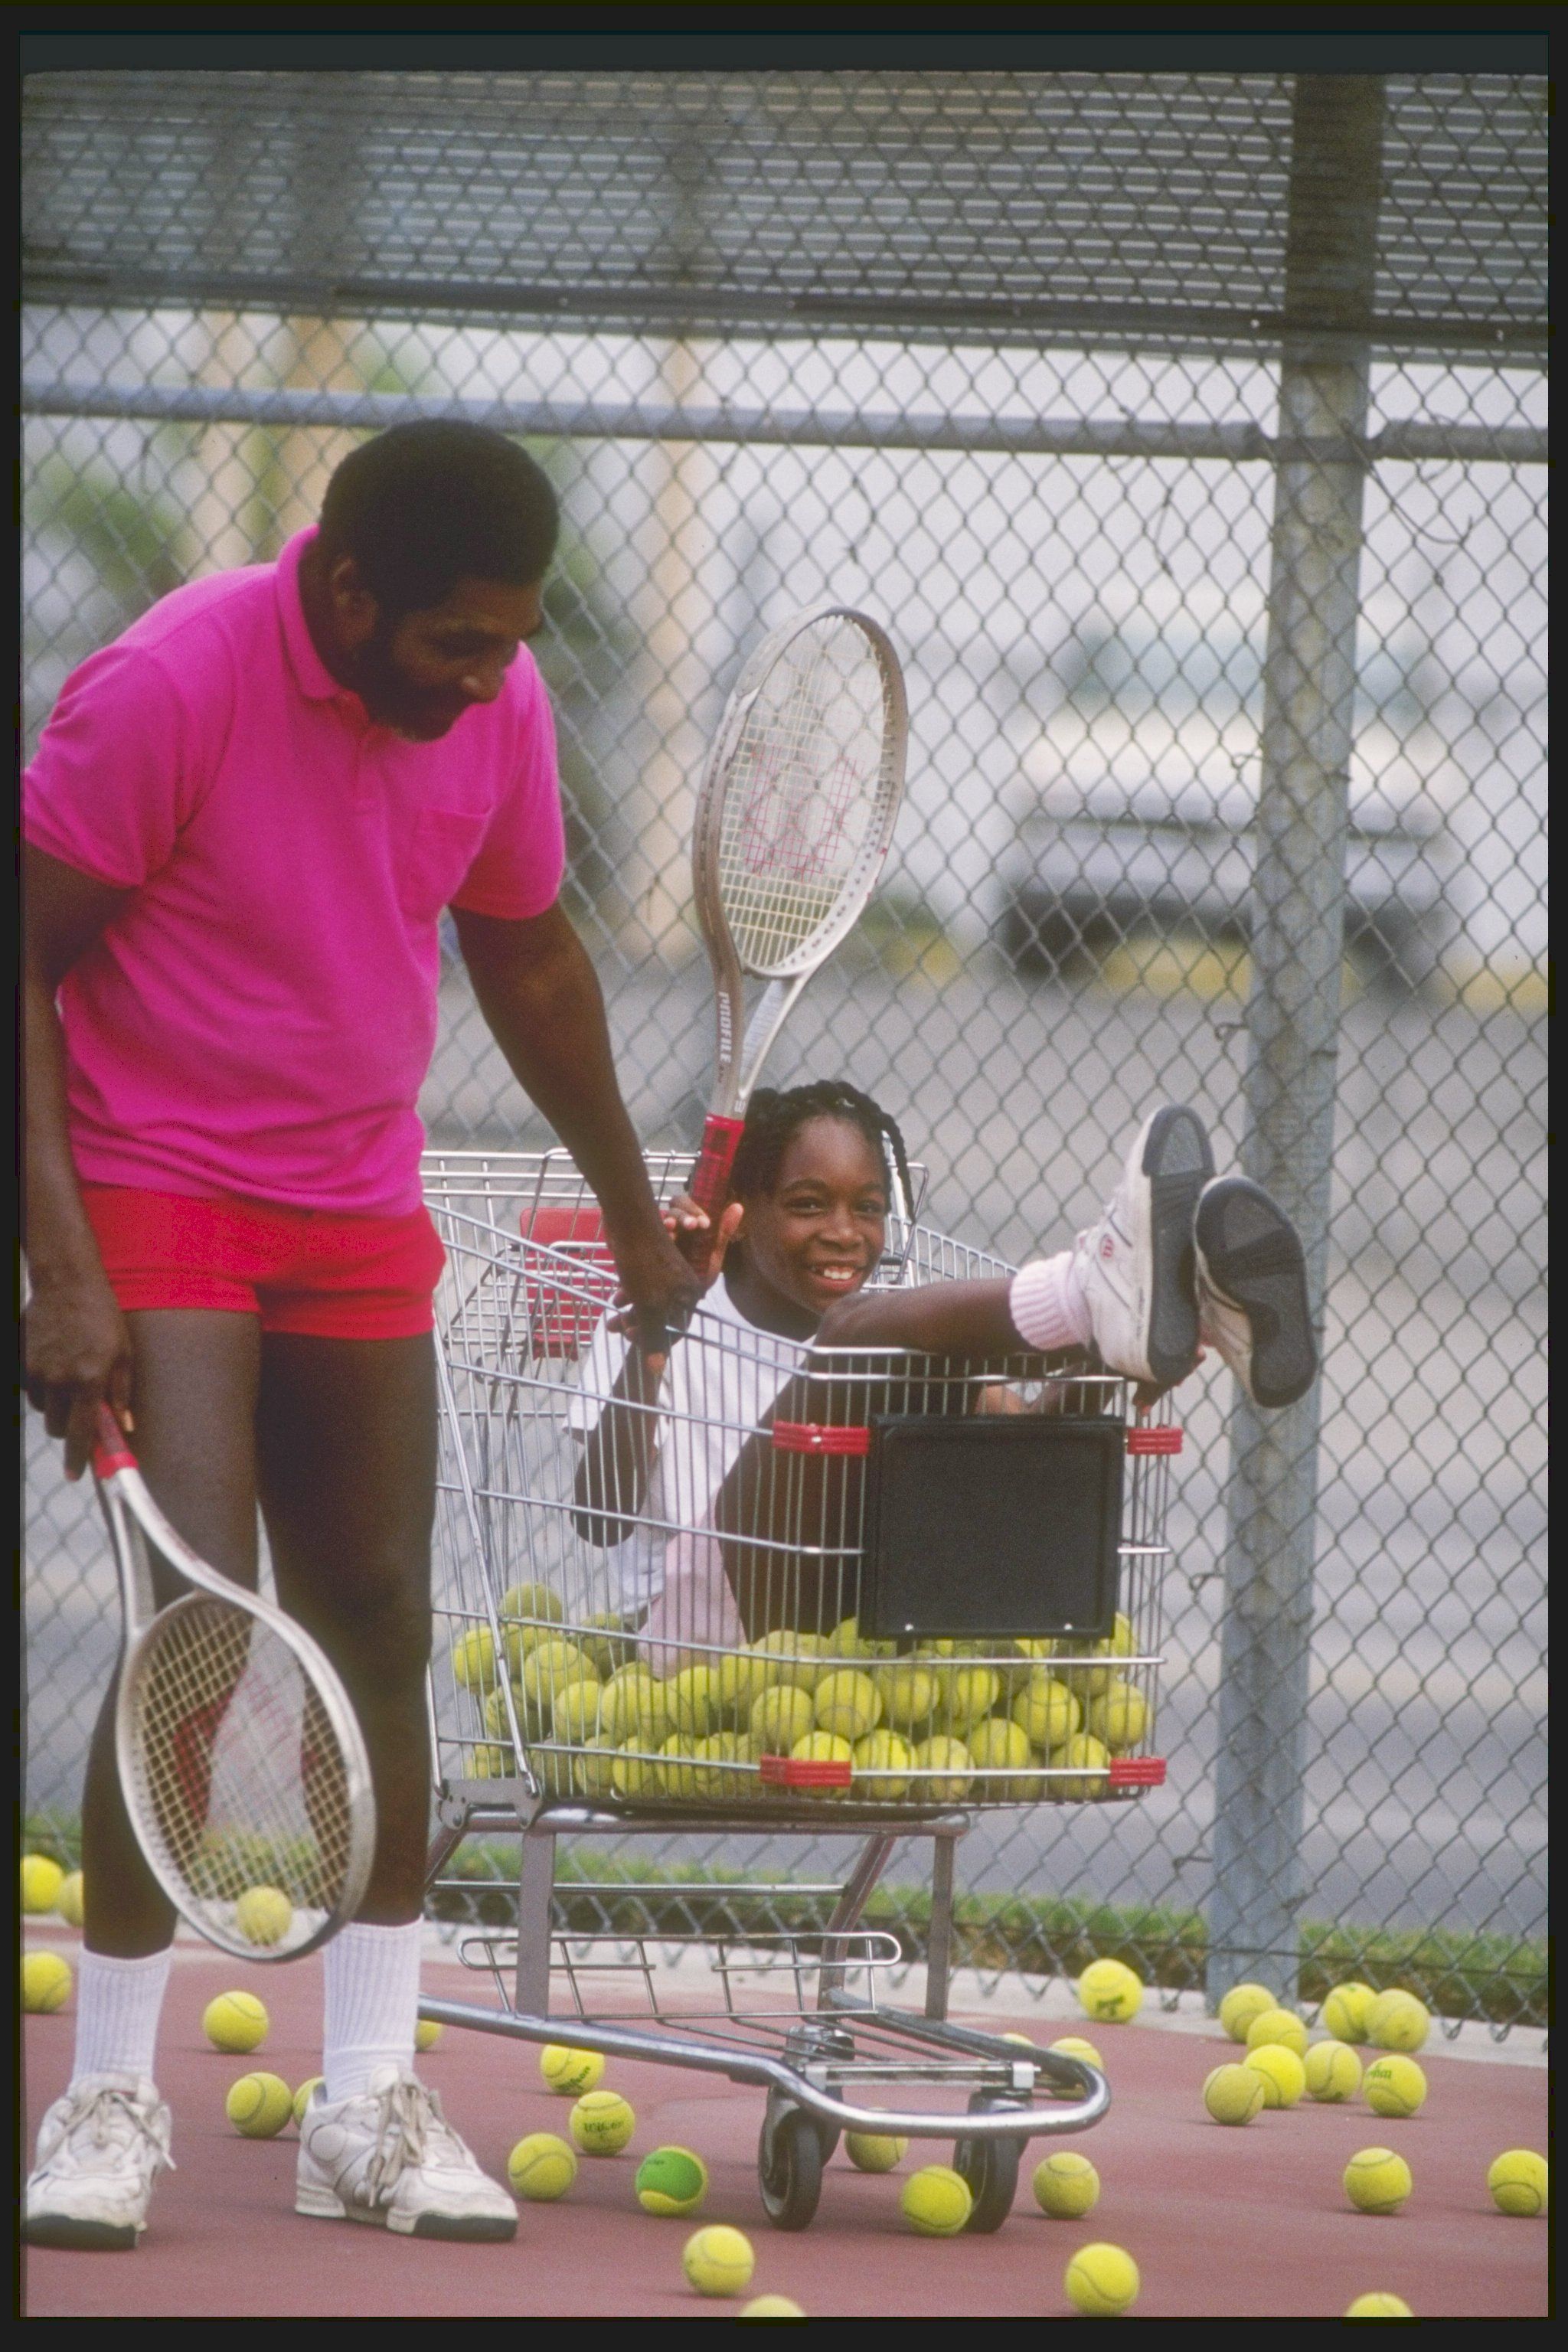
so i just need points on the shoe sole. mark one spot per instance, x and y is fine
(1249, 1254)
(71, 2236)
(1176, 1163)
(476, 2229)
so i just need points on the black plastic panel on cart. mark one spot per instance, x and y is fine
(1006, 1526)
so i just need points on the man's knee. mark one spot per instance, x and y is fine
(380, 1634)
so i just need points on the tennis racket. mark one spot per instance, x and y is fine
(241, 1761)
(794, 816)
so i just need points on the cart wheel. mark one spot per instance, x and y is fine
(789, 2166)
(991, 2168)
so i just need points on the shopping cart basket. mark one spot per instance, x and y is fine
(798, 1592)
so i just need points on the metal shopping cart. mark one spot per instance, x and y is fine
(799, 1591)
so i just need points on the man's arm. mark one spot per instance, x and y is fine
(541, 997)
(78, 1348)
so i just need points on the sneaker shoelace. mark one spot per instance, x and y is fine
(111, 2115)
(410, 2126)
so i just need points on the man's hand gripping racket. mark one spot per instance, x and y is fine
(241, 1761)
(794, 817)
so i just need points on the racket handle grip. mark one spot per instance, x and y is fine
(710, 1181)
(111, 1451)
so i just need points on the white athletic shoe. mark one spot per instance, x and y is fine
(390, 2158)
(1252, 1291)
(1136, 1266)
(101, 2149)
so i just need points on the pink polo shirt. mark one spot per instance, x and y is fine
(259, 1017)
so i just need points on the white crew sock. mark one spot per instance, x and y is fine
(1047, 1305)
(373, 1999)
(117, 2005)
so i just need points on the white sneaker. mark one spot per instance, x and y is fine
(101, 2149)
(1136, 1266)
(390, 2158)
(1252, 1291)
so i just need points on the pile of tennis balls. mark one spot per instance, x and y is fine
(598, 1722)
(261, 2105)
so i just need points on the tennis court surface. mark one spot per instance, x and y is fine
(1223, 2223)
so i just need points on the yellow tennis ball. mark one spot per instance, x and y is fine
(426, 2033)
(845, 1642)
(889, 1757)
(1379, 2306)
(969, 1695)
(1241, 2004)
(264, 1915)
(46, 1983)
(550, 1669)
(1278, 2028)
(1376, 2180)
(1397, 2020)
(1111, 1989)
(672, 2181)
(999, 1745)
(849, 1704)
(1101, 2282)
(1073, 2045)
(538, 1601)
(570, 2071)
(540, 2167)
(258, 2105)
(1067, 2186)
(1046, 1711)
(1085, 1758)
(1233, 2094)
(908, 1695)
(771, 2306)
(1517, 2179)
(791, 1657)
(875, 2151)
(781, 1717)
(601, 2123)
(741, 1678)
(1282, 2073)
(1334, 2071)
(1118, 1715)
(694, 1701)
(1395, 2086)
(950, 1760)
(302, 2098)
(474, 1659)
(718, 2260)
(235, 2020)
(578, 1712)
(41, 1881)
(1344, 2010)
(823, 1747)
(68, 1902)
(936, 2200)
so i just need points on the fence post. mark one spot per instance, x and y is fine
(1293, 1009)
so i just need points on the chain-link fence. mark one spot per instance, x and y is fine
(1185, 433)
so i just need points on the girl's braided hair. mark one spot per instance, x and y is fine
(776, 1116)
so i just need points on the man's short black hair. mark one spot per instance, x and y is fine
(425, 505)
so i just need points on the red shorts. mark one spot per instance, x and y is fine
(306, 1270)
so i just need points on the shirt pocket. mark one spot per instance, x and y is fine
(443, 846)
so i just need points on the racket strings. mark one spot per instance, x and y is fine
(241, 1778)
(803, 788)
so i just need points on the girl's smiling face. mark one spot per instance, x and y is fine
(817, 1236)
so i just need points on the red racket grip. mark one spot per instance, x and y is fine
(710, 1181)
(110, 1453)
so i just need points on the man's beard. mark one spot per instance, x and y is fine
(388, 696)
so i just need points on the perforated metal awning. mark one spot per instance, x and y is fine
(1089, 207)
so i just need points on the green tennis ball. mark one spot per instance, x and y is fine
(540, 2167)
(1241, 2004)
(1344, 2011)
(258, 2105)
(601, 2123)
(570, 2072)
(1334, 2071)
(719, 2261)
(1376, 2180)
(264, 1915)
(1517, 2180)
(1232, 2095)
(1066, 2186)
(1111, 1989)
(1379, 2306)
(235, 2020)
(672, 2181)
(46, 1983)
(937, 2201)
(1281, 2028)
(1395, 2086)
(875, 2151)
(1101, 2282)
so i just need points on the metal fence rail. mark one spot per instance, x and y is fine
(1220, 588)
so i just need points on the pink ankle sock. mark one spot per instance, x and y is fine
(1047, 1305)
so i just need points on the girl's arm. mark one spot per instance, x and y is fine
(938, 1319)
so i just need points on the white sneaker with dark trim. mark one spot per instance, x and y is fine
(1252, 1291)
(390, 2158)
(101, 2149)
(1136, 1266)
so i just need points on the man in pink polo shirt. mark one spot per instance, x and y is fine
(244, 821)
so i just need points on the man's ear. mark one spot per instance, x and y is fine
(355, 610)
